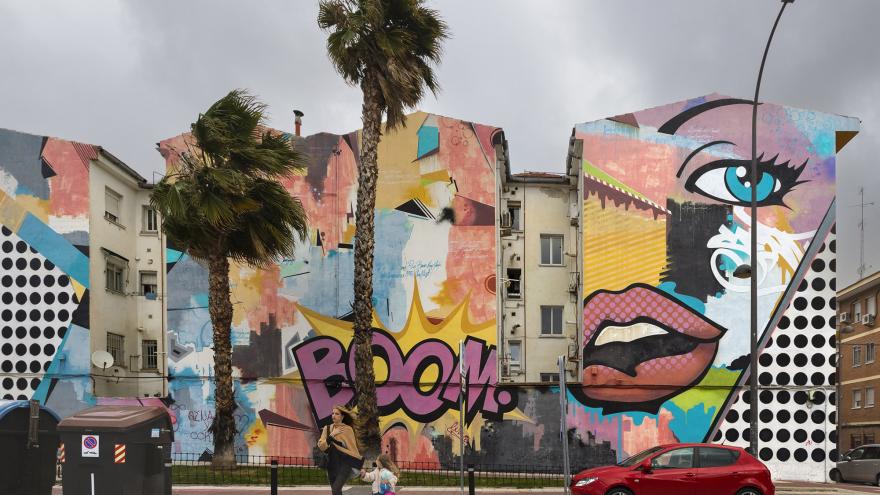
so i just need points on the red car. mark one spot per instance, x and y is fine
(682, 468)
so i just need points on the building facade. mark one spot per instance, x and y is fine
(858, 332)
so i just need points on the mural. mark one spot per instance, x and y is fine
(666, 324)
(434, 287)
(44, 281)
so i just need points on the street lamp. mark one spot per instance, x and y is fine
(753, 270)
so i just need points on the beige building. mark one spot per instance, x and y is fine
(539, 272)
(127, 308)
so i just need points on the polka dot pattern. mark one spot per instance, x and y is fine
(796, 372)
(37, 301)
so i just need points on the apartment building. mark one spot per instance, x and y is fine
(859, 334)
(539, 272)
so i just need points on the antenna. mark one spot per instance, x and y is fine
(862, 204)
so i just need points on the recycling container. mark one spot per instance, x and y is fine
(27, 467)
(117, 450)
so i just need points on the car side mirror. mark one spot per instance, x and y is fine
(847, 458)
(646, 467)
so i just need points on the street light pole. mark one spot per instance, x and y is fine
(753, 183)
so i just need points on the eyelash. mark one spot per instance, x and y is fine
(784, 176)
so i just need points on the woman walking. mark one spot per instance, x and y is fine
(338, 441)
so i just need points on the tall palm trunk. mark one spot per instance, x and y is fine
(365, 379)
(220, 308)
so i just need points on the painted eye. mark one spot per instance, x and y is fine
(728, 181)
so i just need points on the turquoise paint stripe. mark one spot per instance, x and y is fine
(429, 140)
(55, 248)
(54, 368)
(172, 255)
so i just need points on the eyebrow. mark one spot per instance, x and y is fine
(694, 153)
(671, 126)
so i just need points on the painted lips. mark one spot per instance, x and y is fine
(643, 347)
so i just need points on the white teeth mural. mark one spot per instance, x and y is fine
(628, 333)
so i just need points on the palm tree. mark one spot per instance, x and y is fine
(387, 47)
(223, 201)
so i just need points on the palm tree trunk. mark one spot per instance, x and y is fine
(365, 379)
(220, 308)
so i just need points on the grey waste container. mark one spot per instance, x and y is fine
(117, 450)
(26, 469)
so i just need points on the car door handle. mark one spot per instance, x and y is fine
(690, 475)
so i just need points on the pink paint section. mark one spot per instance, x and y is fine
(460, 152)
(69, 189)
(647, 434)
(290, 401)
(470, 263)
(396, 442)
(587, 423)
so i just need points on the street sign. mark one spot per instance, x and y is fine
(90, 446)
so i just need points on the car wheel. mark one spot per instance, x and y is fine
(836, 476)
(749, 491)
(618, 491)
(877, 480)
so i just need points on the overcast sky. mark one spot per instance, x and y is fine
(128, 74)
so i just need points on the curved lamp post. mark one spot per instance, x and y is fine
(752, 269)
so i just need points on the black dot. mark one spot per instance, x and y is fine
(817, 378)
(783, 435)
(21, 315)
(746, 397)
(765, 435)
(21, 332)
(832, 265)
(731, 435)
(783, 341)
(832, 379)
(6, 314)
(832, 341)
(7, 247)
(21, 263)
(46, 365)
(783, 359)
(818, 397)
(746, 435)
(48, 315)
(7, 366)
(783, 378)
(62, 331)
(766, 416)
(732, 416)
(803, 286)
(48, 281)
(35, 332)
(7, 298)
(784, 322)
(49, 298)
(20, 281)
(800, 436)
(800, 322)
(35, 315)
(818, 284)
(49, 333)
(21, 350)
(818, 322)
(833, 246)
(7, 349)
(801, 397)
(833, 284)
(717, 436)
(35, 349)
(818, 303)
(818, 436)
(800, 359)
(818, 417)
(6, 332)
(747, 416)
(832, 436)
(35, 298)
(832, 398)
(800, 417)
(832, 417)
(800, 341)
(765, 378)
(63, 315)
(63, 280)
(818, 340)
(817, 265)
(6, 281)
(7, 263)
(818, 455)
(800, 303)
(35, 366)
(49, 350)
(766, 454)
(766, 397)
(21, 383)
(35, 264)
(48, 265)
(800, 379)
(63, 297)
(765, 359)
(783, 454)
(5, 231)
(769, 342)
(832, 303)
(20, 298)
(21, 247)
(8, 383)
(20, 367)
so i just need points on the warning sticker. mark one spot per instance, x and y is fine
(90, 446)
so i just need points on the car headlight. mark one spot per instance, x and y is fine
(585, 481)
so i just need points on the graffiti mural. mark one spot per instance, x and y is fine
(44, 281)
(434, 286)
(666, 222)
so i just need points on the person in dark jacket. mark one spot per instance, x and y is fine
(338, 441)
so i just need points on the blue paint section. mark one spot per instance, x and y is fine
(690, 426)
(691, 302)
(393, 232)
(55, 247)
(172, 255)
(72, 362)
(328, 287)
(429, 140)
(20, 158)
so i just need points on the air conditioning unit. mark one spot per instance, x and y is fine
(868, 320)
(505, 220)
(573, 279)
(844, 317)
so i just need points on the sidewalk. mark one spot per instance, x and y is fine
(782, 488)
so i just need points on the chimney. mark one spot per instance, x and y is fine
(297, 121)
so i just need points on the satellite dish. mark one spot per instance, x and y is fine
(102, 359)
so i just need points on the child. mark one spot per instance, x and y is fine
(384, 476)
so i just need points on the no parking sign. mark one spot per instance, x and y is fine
(90, 446)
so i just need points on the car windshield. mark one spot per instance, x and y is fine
(638, 458)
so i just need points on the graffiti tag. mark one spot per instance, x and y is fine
(418, 268)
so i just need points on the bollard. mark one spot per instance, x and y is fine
(471, 487)
(168, 466)
(274, 478)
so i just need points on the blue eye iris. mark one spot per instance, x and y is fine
(735, 177)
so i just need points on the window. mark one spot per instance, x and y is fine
(514, 349)
(116, 348)
(871, 452)
(514, 211)
(855, 440)
(870, 353)
(871, 306)
(148, 284)
(857, 356)
(112, 205)
(115, 276)
(869, 438)
(551, 249)
(712, 457)
(857, 399)
(857, 311)
(675, 459)
(150, 353)
(869, 397)
(513, 282)
(151, 220)
(551, 320)
(549, 377)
